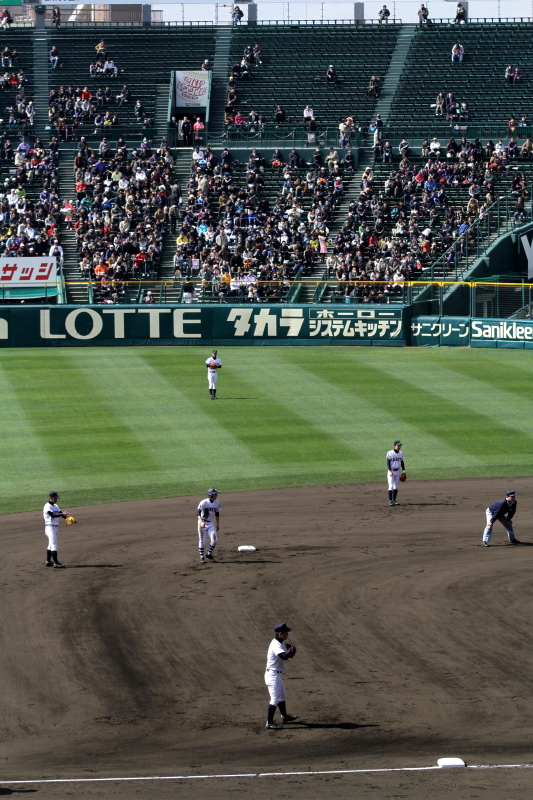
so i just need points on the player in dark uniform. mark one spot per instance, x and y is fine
(503, 511)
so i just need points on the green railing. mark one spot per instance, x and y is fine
(271, 135)
(499, 218)
(415, 134)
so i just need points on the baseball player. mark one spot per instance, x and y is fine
(51, 514)
(278, 652)
(395, 469)
(213, 365)
(208, 523)
(498, 511)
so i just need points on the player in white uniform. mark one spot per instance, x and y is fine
(213, 365)
(277, 654)
(51, 514)
(395, 467)
(208, 523)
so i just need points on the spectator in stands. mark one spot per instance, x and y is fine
(237, 15)
(110, 69)
(56, 17)
(7, 60)
(101, 49)
(435, 147)
(523, 122)
(512, 125)
(403, 148)
(387, 153)
(206, 66)
(280, 115)
(527, 149)
(374, 87)
(148, 298)
(384, 15)
(54, 56)
(509, 72)
(460, 15)
(423, 15)
(458, 52)
(257, 55)
(124, 96)
(308, 113)
(331, 75)
(439, 104)
(6, 20)
(198, 127)
(517, 75)
(186, 131)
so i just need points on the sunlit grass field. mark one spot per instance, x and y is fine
(109, 424)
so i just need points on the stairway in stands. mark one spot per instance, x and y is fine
(76, 290)
(221, 67)
(181, 172)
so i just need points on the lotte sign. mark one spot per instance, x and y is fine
(192, 88)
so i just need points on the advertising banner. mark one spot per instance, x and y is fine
(468, 332)
(23, 272)
(38, 326)
(192, 88)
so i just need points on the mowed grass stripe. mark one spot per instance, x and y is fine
(185, 443)
(512, 373)
(21, 450)
(503, 407)
(85, 440)
(469, 430)
(251, 412)
(315, 391)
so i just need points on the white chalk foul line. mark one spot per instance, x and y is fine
(260, 774)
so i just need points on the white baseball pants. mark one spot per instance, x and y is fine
(275, 686)
(394, 480)
(51, 532)
(487, 533)
(208, 530)
(212, 378)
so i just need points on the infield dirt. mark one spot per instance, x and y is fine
(414, 642)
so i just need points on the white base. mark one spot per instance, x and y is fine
(451, 762)
(246, 548)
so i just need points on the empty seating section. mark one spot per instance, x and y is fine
(144, 57)
(20, 41)
(478, 80)
(295, 62)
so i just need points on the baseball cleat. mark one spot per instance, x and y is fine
(515, 541)
(485, 544)
(57, 565)
(288, 718)
(202, 560)
(210, 557)
(391, 503)
(394, 503)
(273, 726)
(48, 563)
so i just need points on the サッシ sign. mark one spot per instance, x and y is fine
(41, 271)
(192, 88)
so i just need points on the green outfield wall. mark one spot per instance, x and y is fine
(471, 332)
(52, 326)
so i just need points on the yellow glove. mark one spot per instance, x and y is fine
(70, 520)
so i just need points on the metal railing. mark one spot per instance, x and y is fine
(443, 132)
(272, 135)
(501, 217)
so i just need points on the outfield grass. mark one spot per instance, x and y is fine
(101, 425)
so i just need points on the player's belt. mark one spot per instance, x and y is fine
(279, 671)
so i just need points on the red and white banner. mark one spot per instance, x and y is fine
(192, 88)
(28, 272)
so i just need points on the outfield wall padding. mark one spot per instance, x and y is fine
(471, 332)
(167, 325)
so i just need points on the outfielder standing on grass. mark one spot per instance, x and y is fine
(395, 471)
(52, 514)
(208, 523)
(278, 652)
(213, 365)
(503, 511)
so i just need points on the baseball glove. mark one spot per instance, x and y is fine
(212, 366)
(403, 476)
(293, 650)
(70, 520)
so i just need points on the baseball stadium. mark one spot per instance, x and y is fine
(266, 308)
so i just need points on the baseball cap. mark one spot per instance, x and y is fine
(510, 494)
(397, 442)
(55, 494)
(282, 627)
(211, 491)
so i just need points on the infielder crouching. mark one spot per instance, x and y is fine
(52, 514)
(208, 523)
(498, 511)
(394, 473)
(277, 654)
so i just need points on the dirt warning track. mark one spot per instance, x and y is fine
(413, 640)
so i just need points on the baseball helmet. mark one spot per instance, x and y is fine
(211, 492)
